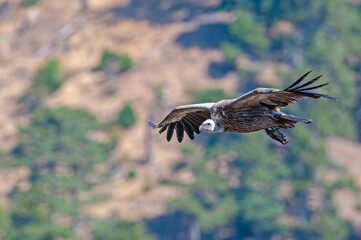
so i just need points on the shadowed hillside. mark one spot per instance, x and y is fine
(80, 79)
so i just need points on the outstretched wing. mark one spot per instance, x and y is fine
(185, 118)
(280, 98)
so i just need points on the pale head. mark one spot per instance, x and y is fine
(210, 126)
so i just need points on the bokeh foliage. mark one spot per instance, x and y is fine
(61, 155)
(114, 62)
(126, 116)
(49, 78)
(210, 95)
(320, 38)
(114, 229)
(246, 183)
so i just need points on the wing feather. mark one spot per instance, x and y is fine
(186, 118)
(170, 131)
(318, 86)
(180, 131)
(193, 124)
(163, 128)
(299, 80)
(280, 98)
(188, 129)
(197, 119)
(307, 83)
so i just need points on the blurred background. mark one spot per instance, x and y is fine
(79, 79)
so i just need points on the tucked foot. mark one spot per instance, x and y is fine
(277, 135)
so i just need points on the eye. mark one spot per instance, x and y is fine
(208, 124)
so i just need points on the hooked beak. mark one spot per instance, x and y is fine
(201, 127)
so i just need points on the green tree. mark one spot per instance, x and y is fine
(210, 95)
(114, 62)
(49, 78)
(209, 198)
(113, 229)
(29, 218)
(216, 201)
(61, 155)
(29, 2)
(126, 117)
(250, 34)
(317, 28)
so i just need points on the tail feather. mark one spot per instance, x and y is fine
(290, 117)
(296, 119)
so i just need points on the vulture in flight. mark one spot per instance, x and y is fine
(256, 110)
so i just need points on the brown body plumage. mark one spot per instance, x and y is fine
(251, 119)
(256, 110)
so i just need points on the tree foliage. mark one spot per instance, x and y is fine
(320, 37)
(60, 154)
(114, 62)
(126, 116)
(29, 2)
(49, 78)
(113, 229)
(243, 182)
(210, 95)
(250, 34)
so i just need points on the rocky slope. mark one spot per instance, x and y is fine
(173, 50)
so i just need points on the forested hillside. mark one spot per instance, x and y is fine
(80, 79)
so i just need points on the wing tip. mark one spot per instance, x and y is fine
(332, 98)
(308, 121)
(152, 124)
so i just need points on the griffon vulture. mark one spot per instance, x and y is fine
(256, 110)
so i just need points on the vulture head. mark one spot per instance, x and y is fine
(210, 126)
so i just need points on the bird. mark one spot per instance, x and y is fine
(255, 110)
